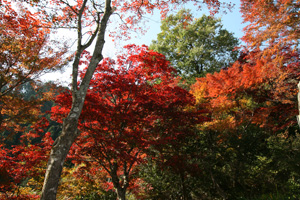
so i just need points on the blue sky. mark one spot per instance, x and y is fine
(232, 21)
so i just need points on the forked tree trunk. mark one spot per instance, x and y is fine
(119, 188)
(70, 132)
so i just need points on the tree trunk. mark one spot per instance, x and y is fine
(298, 97)
(58, 154)
(183, 186)
(70, 132)
(120, 188)
(121, 194)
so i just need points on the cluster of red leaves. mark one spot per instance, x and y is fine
(25, 54)
(23, 161)
(133, 103)
(254, 89)
(25, 49)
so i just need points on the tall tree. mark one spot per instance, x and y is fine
(195, 46)
(133, 103)
(94, 16)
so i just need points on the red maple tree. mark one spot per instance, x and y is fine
(133, 104)
(88, 16)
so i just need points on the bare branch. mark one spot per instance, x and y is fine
(67, 3)
(90, 41)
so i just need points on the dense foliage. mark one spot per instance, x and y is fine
(233, 134)
(195, 47)
(133, 106)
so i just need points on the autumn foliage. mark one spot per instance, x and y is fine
(24, 162)
(271, 23)
(261, 86)
(26, 53)
(133, 104)
(233, 135)
(253, 91)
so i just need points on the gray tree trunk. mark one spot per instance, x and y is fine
(70, 132)
(59, 152)
(298, 97)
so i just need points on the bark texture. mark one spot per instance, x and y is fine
(70, 132)
(59, 152)
(298, 97)
(120, 188)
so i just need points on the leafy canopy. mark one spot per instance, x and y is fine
(195, 46)
(133, 103)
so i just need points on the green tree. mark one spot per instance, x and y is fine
(195, 46)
